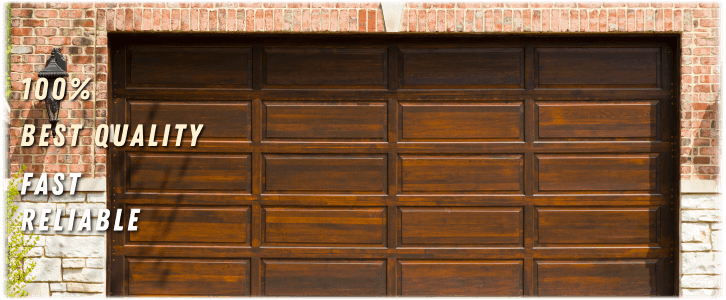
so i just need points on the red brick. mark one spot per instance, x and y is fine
(21, 31)
(441, 21)
(59, 40)
(469, 20)
(306, 4)
(83, 23)
(362, 19)
(476, 4)
(707, 170)
(420, 19)
(33, 23)
(319, 4)
(175, 20)
(43, 13)
(372, 22)
(708, 22)
(498, 20)
(314, 19)
(540, 5)
(46, 31)
(709, 5)
(125, 21)
(241, 20)
(376, 4)
(231, 20)
(526, 20)
(702, 70)
(334, 20)
(165, 19)
(506, 20)
(81, 5)
(250, 19)
(709, 79)
(148, 20)
(260, 20)
(23, 13)
(685, 5)
(82, 59)
(649, 24)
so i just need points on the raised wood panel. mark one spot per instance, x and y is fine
(185, 67)
(462, 226)
(637, 172)
(462, 68)
(637, 277)
(598, 67)
(325, 173)
(192, 225)
(221, 119)
(460, 278)
(473, 173)
(566, 120)
(387, 164)
(188, 277)
(461, 121)
(188, 171)
(324, 68)
(343, 226)
(571, 225)
(324, 277)
(325, 121)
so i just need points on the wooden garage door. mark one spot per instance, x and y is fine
(397, 165)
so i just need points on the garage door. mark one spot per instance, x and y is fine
(396, 165)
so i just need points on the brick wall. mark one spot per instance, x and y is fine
(82, 28)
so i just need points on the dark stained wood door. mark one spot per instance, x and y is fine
(367, 165)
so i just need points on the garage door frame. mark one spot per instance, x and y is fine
(114, 117)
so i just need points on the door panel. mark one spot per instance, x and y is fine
(410, 165)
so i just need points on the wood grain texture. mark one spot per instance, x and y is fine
(188, 277)
(184, 67)
(461, 174)
(221, 119)
(324, 121)
(567, 120)
(462, 226)
(392, 164)
(462, 68)
(461, 278)
(324, 277)
(598, 67)
(192, 225)
(325, 174)
(597, 278)
(331, 68)
(599, 172)
(461, 122)
(188, 171)
(626, 225)
(341, 226)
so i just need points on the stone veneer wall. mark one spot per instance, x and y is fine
(701, 240)
(74, 262)
(69, 263)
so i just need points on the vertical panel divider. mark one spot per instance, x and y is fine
(256, 272)
(529, 174)
(530, 277)
(392, 278)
